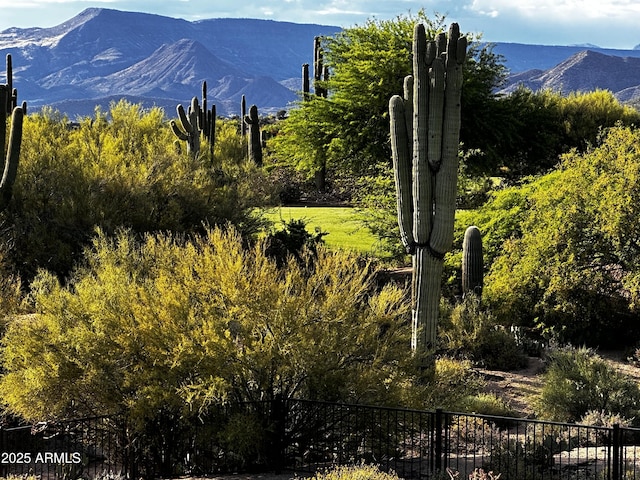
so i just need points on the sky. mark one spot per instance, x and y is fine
(606, 23)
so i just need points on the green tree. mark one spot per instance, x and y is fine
(368, 64)
(530, 130)
(573, 269)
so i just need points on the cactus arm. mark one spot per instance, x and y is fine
(401, 157)
(4, 99)
(12, 96)
(184, 119)
(436, 112)
(447, 175)
(243, 114)
(422, 181)
(177, 132)
(13, 156)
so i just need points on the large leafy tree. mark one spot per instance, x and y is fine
(572, 265)
(368, 64)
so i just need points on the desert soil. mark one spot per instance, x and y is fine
(518, 387)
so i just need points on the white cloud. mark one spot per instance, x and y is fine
(541, 10)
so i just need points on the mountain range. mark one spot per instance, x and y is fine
(102, 55)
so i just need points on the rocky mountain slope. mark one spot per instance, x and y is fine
(583, 72)
(102, 54)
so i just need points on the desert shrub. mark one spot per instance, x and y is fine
(291, 240)
(117, 170)
(577, 381)
(184, 324)
(571, 271)
(468, 329)
(454, 381)
(356, 472)
(488, 404)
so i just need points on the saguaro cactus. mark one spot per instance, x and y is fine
(243, 114)
(472, 262)
(208, 120)
(255, 140)
(305, 81)
(190, 131)
(425, 131)
(9, 164)
(196, 121)
(320, 70)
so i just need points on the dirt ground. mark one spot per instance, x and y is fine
(516, 387)
(519, 386)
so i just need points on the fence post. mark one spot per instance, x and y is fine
(3, 467)
(278, 418)
(438, 440)
(617, 451)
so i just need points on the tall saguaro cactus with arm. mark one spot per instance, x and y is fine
(190, 131)
(9, 165)
(425, 133)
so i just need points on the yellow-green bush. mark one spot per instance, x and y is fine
(357, 472)
(468, 329)
(181, 324)
(578, 381)
(119, 169)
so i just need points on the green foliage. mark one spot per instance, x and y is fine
(571, 266)
(587, 114)
(470, 330)
(117, 170)
(578, 381)
(529, 130)
(488, 404)
(454, 383)
(174, 325)
(368, 64)
(339, 227)
(292, 240)
(357, 472)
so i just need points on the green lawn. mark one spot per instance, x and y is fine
(343, 227)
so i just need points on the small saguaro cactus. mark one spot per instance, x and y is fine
(208, 120)
(305, 81)
(243, 114)
(190, 131)
(11, 92)
(320, 70)
(425, 132)
(9, 166)
(472, 262)
(255, 140)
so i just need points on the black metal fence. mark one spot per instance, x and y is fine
(86, 448)
(306, 436)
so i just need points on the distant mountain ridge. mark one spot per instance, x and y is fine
(101, 55)
(582, 72)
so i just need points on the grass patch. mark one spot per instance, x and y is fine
(344, 229)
